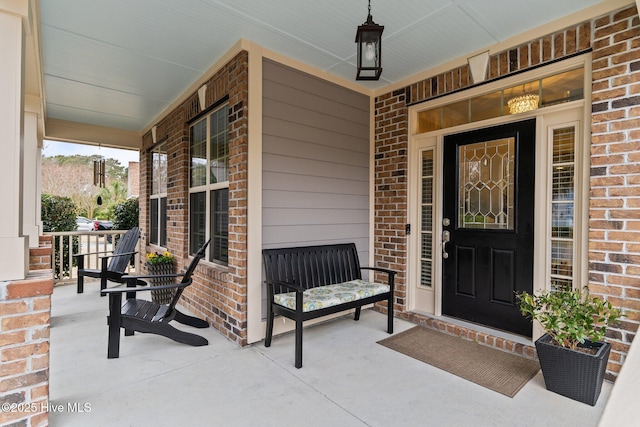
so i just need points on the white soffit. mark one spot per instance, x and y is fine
(120, 63)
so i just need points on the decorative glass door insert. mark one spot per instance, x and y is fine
(486, 177)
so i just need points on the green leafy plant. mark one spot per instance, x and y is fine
(59, 214)
(156, 258)
(570, 316)
(125, 215)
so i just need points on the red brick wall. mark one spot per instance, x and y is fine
(218, 293)
(614, 204)
(614, 228)
(391, 130)
(25, 312)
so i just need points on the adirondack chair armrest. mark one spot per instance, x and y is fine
(160, 276)
(145, 288)
(120, 254)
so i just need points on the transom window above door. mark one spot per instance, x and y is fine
(539, 93)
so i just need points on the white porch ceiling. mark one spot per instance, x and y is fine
(120, 63)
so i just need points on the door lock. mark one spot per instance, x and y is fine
(446, 236)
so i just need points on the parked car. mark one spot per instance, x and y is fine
(99, 224)
(84, 224)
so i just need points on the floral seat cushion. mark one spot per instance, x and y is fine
(330, 295)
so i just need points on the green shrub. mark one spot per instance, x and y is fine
(570, 316)
(59, 214)
(126, 214)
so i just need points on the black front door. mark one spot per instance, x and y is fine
(488, 221)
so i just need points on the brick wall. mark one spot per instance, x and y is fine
(25, 311)
(614, 257)
(614, 204)
(218, 293)
(391, 139)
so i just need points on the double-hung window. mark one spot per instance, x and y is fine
(158, 199)
(209, 184)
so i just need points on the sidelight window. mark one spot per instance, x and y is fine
(562, 207)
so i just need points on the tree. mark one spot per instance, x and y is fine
(72, 176)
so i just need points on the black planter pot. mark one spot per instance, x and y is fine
(162, 296)
(571, 373)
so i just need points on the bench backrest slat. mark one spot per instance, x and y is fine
(125, 244)
(312, 266)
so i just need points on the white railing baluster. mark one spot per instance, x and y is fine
(88, 242)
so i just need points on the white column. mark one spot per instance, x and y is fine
(14, 248)
(31, 224)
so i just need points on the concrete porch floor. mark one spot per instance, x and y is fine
(347, 380)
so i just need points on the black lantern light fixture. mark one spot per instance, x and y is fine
(369, 40)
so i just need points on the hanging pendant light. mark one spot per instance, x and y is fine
(523, 103)
(369, 40)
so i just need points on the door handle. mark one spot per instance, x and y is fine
(446, 236)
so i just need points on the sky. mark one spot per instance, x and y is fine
(54, 148)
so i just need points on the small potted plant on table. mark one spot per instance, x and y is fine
(573, 356)
(158, 264)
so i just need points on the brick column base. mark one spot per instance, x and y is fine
(25, 312)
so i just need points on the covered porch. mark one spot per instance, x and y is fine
(234, 381)
(348, 380)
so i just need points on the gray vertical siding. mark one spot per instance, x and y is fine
(315, 165)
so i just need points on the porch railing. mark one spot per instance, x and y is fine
(86, 242)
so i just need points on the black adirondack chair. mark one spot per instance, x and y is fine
(112, 267)
(150, 317)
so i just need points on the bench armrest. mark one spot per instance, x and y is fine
(382, 270)
(391, 274)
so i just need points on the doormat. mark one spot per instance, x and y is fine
(497, 370)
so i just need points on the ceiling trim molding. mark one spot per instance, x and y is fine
(82, 133)
(16, 7)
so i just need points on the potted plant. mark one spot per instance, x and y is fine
(573, 356)
(158, 264)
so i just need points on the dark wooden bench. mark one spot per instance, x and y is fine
(145, 316)
(112, 267)
(308, 282)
